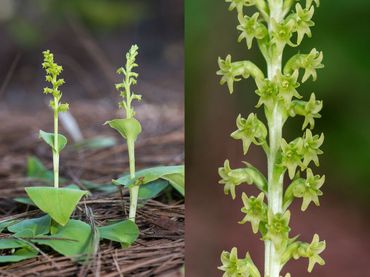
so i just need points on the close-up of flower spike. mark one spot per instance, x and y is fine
(276, 25)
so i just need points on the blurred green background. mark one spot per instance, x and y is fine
(342, 32)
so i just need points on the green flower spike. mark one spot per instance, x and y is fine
(303, 22)
(313, 251)
(309, 189)
(251, 28)
(311, 145)
(255, 210)
(273, 24)
(292, 155)
(52, 72)
(278, 229)
(250, 130)
(235, 267)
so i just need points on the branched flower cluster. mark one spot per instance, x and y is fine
(275, 25)
(130, 78)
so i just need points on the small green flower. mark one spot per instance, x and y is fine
(313, 252)
(292, 155)
(229, 73)
(255, 210)
(310, 110)
(250, 130)
(278, 229)
(235, 267)
(282, 32)
(303, 22)
(251, 28)
(232, 265)
(311, 145)
(232, 178)
(309, 189)
(311, 63)
(287, 86)
(268, 91)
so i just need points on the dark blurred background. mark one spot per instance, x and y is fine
(89, 38)
(342, 32)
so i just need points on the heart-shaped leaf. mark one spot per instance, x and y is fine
(19, 255)
(125, 232)
(30, 228)
(59, 203)
(73, 239)
(128, 127)
(147, 175)
(49, 139)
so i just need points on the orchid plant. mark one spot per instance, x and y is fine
(149, 182)
(274, 25)
(58, 202)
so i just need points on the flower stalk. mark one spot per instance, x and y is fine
(55, 140)
(273, 26)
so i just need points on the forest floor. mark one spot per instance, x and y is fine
(159, 251)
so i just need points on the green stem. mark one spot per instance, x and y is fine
(55, 152)
(134, 191)
(275, 125)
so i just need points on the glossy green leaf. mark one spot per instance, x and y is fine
(49, 139)
(152, 189)
(59, 203)
(128, 127)
(31, 227)
(147, 175)
(73, 239)
(125, 232)
(11, 243)
(19, 255)
(177, 181)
